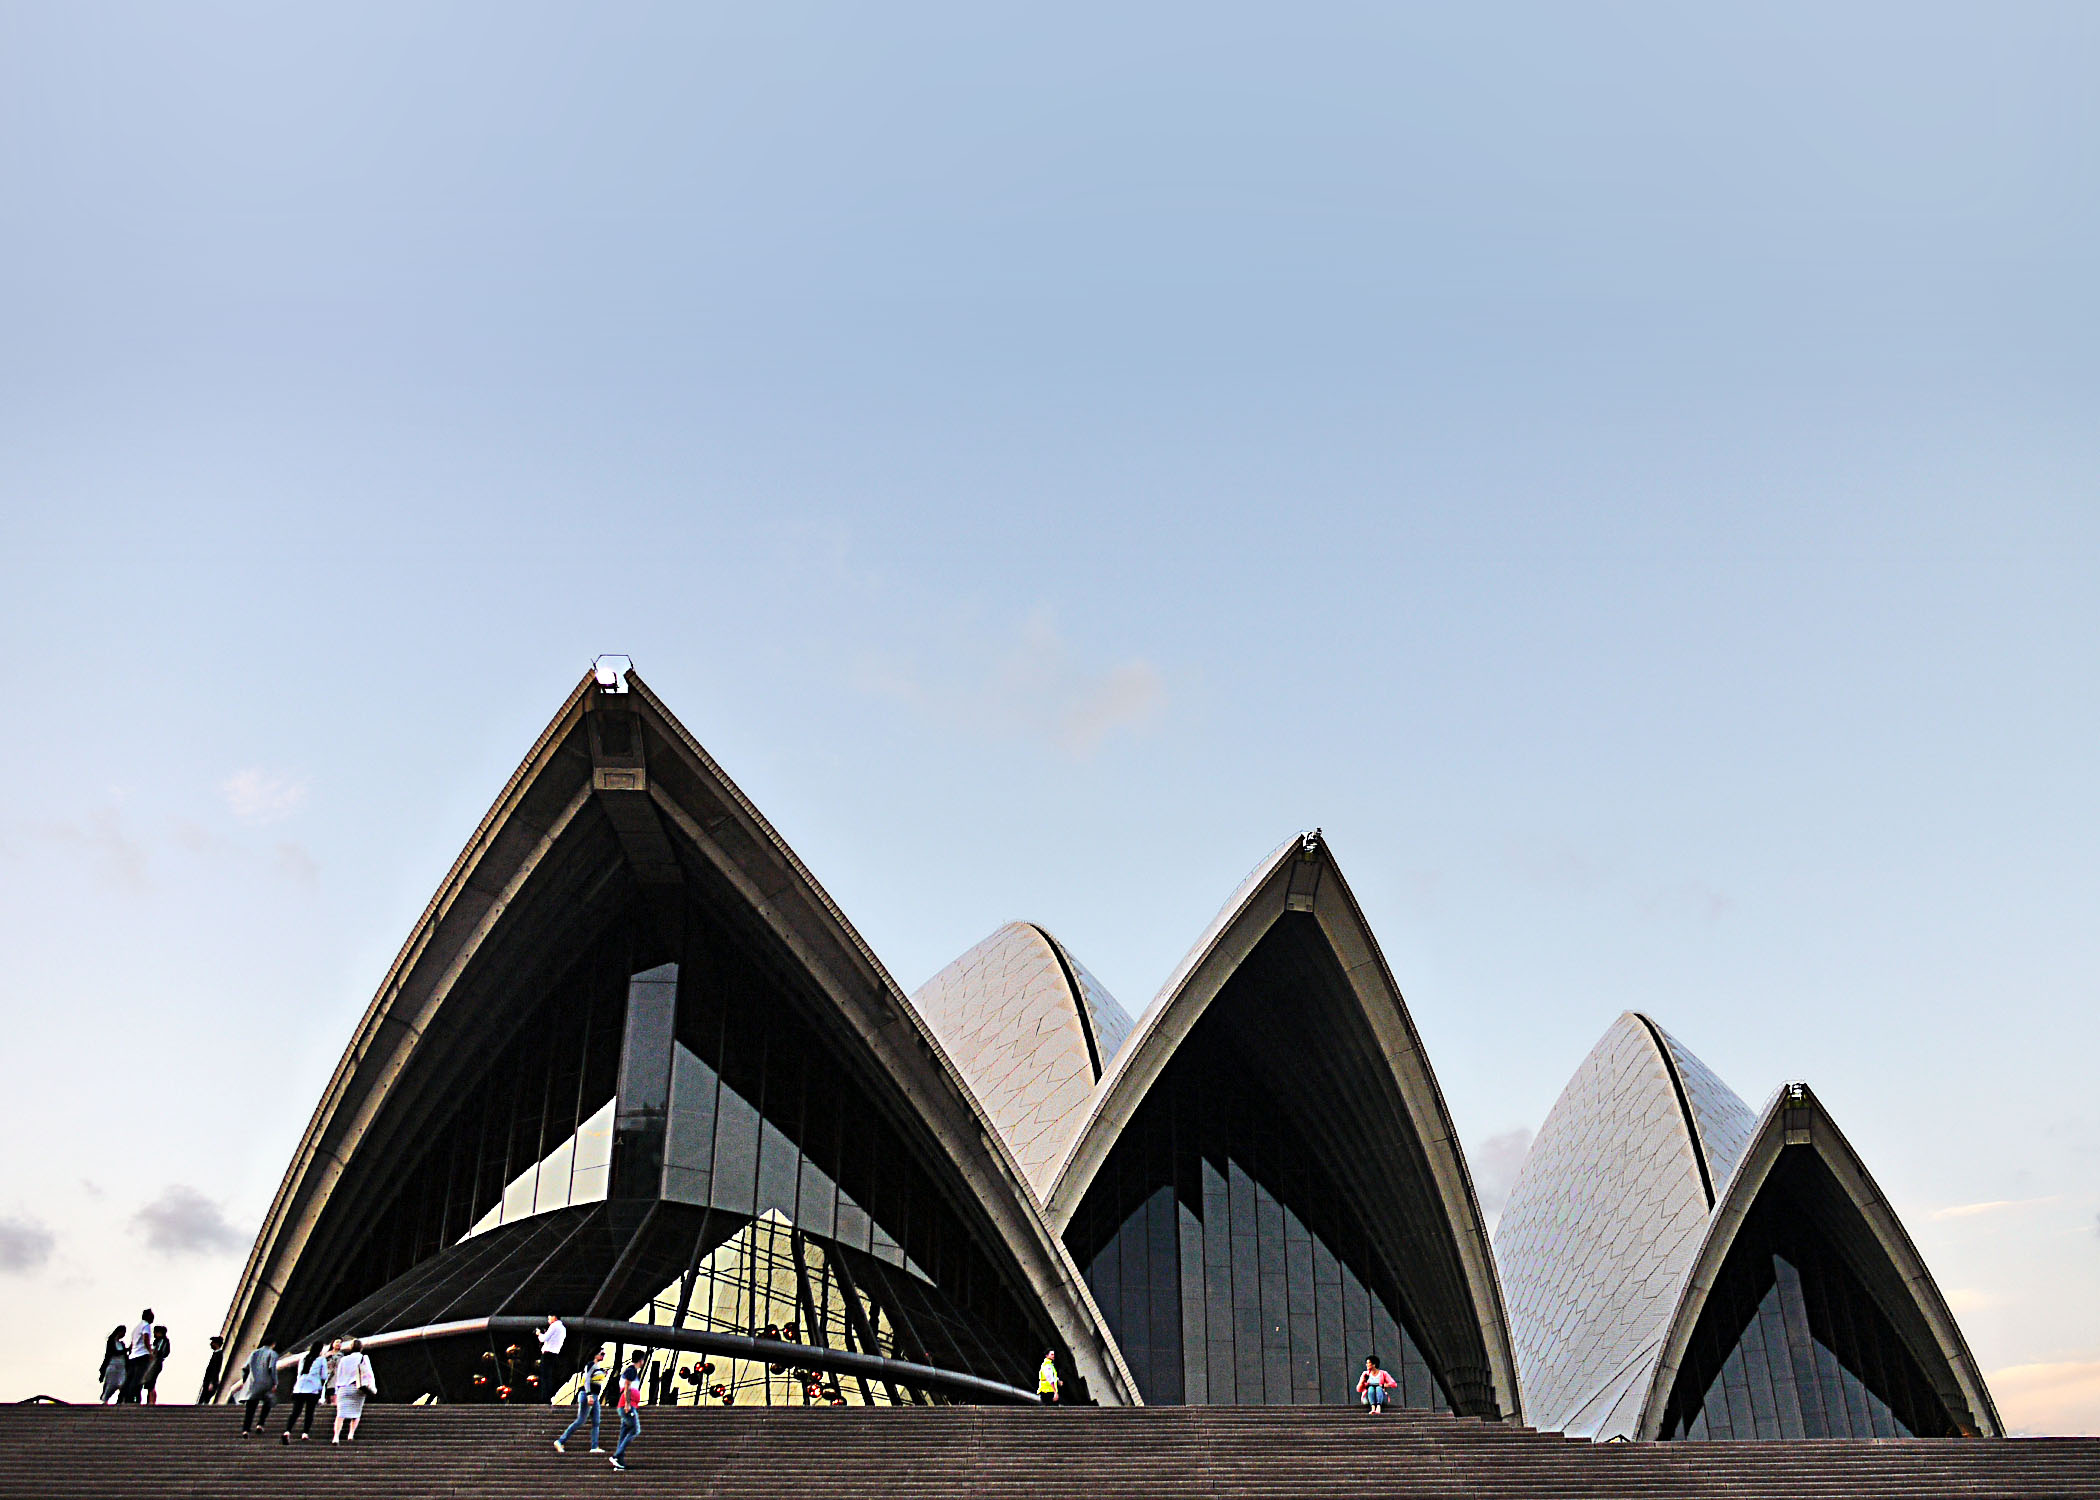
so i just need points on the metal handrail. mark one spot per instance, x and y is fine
(734, 1345)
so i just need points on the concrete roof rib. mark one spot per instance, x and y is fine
(1031, 1031)
(1301, 877)
(1903, 1288)
(415, 1036)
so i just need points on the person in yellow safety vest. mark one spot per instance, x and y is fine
(1047, 1384)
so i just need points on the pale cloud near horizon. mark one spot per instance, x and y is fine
(182, 1221)
(1990, 1206)
(2060, 1399)
(260, 797)
(1969, 1299)
(1035, 688)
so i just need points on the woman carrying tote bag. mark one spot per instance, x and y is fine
(354, 1380)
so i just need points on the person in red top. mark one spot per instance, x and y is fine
(630, 1406)
(1373, 1384)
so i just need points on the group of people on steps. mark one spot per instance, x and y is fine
(342, 1370)
(132, 1361)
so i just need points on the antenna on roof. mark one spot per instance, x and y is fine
(611, 672)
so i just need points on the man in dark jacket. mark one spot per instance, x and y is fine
(208, 1388)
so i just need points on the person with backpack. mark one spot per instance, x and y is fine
(630, 1407)
(590, 1403)
(261, 1388)
(354, 1380)
(306, 1394)
(1373, 1384)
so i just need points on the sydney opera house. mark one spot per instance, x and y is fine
(634, 1067)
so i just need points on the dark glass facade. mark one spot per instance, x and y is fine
(1227, 1262)
(817, 1213)
(668, 1134)
(1793, 1345)
(770, 1279)
(481, 1162)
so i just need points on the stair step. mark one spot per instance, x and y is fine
(418, 1453)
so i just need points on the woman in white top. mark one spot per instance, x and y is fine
(353, 1379)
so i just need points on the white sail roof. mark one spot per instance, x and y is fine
(1031, 1031)
(1626, 1207)
(1606, 1214)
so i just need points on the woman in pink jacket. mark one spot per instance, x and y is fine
(1373, 1384)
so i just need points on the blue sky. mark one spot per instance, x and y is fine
(1629, 475)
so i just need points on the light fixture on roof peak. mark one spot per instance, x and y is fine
(610, 673)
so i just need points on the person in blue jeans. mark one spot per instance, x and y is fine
(630, 1407)
(1374, 1385)
(590, 1403)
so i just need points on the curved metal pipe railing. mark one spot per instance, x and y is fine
(733, 1345)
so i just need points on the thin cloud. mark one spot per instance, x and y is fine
(1035, 689)
(195, 838)
(886, 677)
(1495, 1162)
(182, 1221)
(260, 797)
(1127, 697)
(2053, 1399)
(1551, 863)
(1693, 897)
(1970, 1299)
(24, 1246)
(293, 860)
(1990, 1206)
(120, 855)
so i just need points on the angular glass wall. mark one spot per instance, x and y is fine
(522, 1138)
(1792, 1344)
(770, 1280)
(816, 1211)
(576, 1171)
(1229, 1265)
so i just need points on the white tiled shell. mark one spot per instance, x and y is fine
(1725, 1122)
(1011, 1023)
(1112, 1024)
(1602, 1225)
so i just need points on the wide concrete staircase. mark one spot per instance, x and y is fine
(406, 1453)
